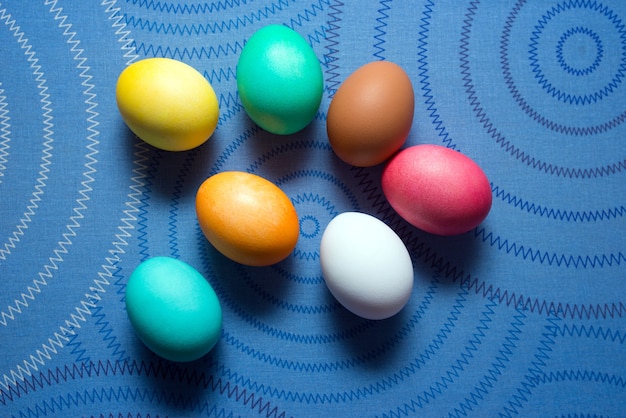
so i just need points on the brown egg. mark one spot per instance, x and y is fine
(370, 116)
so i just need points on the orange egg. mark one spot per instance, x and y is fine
(247, 218)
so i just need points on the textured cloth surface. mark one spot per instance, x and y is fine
(522, 316)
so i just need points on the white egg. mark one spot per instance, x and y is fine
(366, 266)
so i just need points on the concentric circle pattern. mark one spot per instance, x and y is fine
(523, 316)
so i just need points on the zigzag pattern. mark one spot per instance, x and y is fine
(318, 199)
(282, 335)
(438, 388)
(229, 99)
(317, 37)
(173, 212)
(289, 147)
(65, 403)
(309, 14)
(136, 199)
(123, 34)
(208, 28)
(489, 380)
(162, 370)
(422, 48)
(454, 372)
(544, 257)
(324, 204)
(473, 398)
(305, 255)
(226, 113)
(320, 175)
(200, 8)
(590, 331)
(584, 4)
(568, 130)
(320, 116)
(420, 250)
(224, 26)
(261, 291)
(5, 132)
(220, 50)
(582, 375)
(62, 246)
(400, 376)
(76, 349)
(324, 367)
(559, 214)
(482, 116)
(289, 275)
(147, 182)
(219, 76)
(308, 367)
(308, 219)
(233, 146)
(83, 311)
(380, 29)
(185, 54)
(213, 413)
(519, 301)
(110, 270)
(328, 177)
(333, 78)
(561, 59)
(524, 391)
(104, 330)
(546, 85)
(42, 175)
(372, 192)
(551, 259)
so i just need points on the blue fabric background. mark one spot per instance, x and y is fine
(523, 316)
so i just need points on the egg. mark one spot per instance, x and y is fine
(437, 189)
(365, 265)
(370, 115)
(167, 103)
(247, 218)
(173, 309)
(279, 79)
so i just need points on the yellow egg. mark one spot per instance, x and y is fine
(167, 103)
(247, 218)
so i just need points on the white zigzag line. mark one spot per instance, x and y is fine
(66, 241)
(83, 310)
(42, 176)
(116, 16)
(6, 132)
(77, 210)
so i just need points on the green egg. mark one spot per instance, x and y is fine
(173, 309)
(280, 80)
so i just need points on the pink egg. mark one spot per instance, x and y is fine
(437, 189)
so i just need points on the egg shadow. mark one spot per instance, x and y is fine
(374, 344)
(197, 165)
(192, 381)
(377, 343)
(157, 166)
(131, 147)
(451, 258)
(267, 142)
(250, 289)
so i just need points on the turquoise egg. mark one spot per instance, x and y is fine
(173, 309)
(280, 80)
